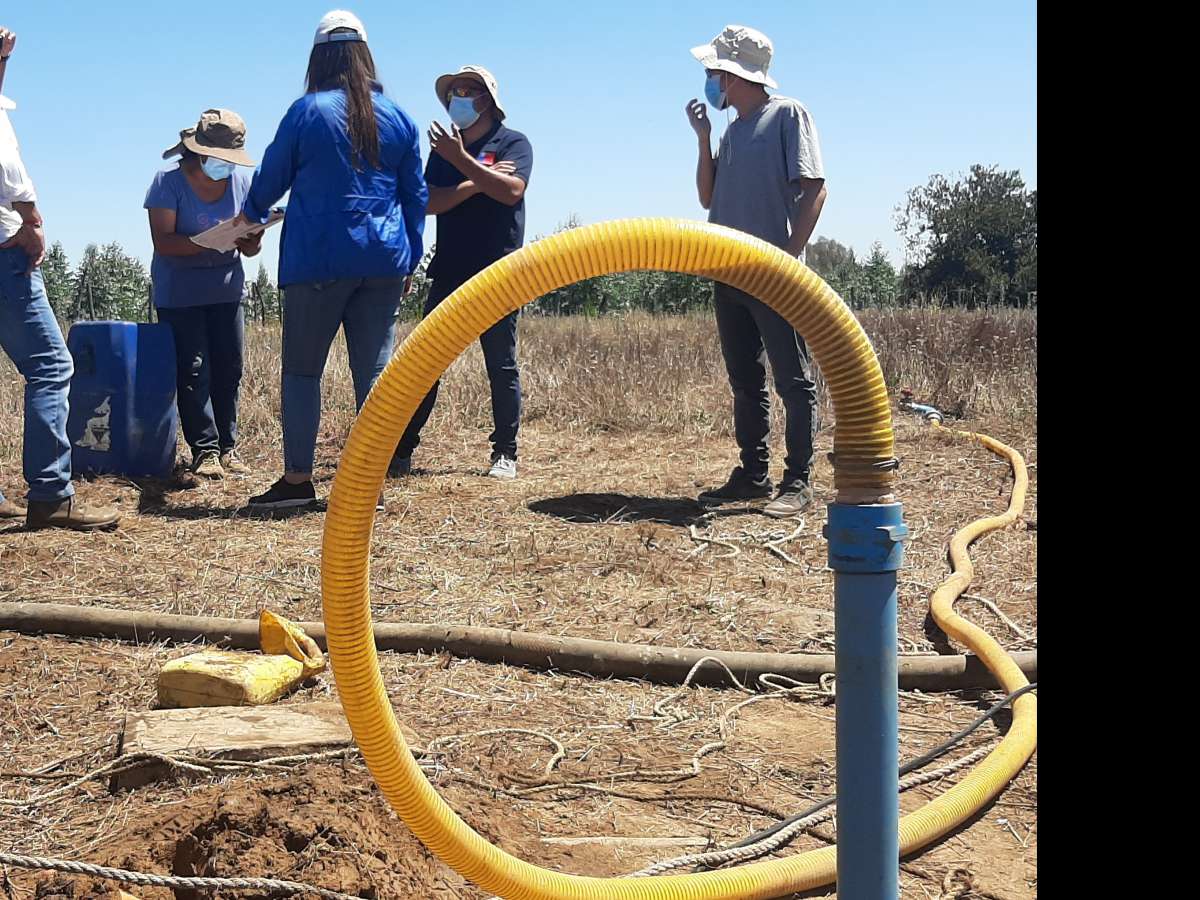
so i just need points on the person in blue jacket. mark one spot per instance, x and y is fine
(352, 235)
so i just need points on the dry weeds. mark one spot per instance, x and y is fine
(626, 419)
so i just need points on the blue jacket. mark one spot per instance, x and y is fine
(342, 223)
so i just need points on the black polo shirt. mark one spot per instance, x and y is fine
(480, 230)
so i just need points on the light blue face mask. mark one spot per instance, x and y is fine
(713, 93)
(462, 112)
(217, 169)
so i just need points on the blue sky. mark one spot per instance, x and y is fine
(898, 92)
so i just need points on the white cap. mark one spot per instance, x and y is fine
(335, 19)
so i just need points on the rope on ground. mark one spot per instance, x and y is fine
(779, 840)
(204, 765)
(146, 879)
(772, 541)
(560, 751)
(780, 686)
(995, 610)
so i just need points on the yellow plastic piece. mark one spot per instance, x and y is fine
(227, 678)
(863, 447)
(278, 635)
(237, 678)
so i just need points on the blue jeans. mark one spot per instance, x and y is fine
(31, 337)
(499, 345)
(312, 314)
(208, 371)
(751, 334)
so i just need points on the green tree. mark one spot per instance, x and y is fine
(652, 291)
(878, 277)
(413, 306)
(263, 297)
(110, 284)
(56, 273)
(828, 258)
(973, 240)
(837, 265)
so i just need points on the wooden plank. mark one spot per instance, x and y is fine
(233, 732)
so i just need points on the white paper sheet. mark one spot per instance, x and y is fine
(224, 237)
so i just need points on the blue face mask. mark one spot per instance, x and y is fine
(462, 112)
(217, 169)
(713, 94)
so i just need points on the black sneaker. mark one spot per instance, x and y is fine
(793, 498)
(283, 495)
(740, 486)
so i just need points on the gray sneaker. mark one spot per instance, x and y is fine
(232, 464)
(207, 464)
(791, 500)
(503, 467)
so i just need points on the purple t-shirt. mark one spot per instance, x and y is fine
(208, 277)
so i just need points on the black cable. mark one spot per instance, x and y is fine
(921, 761)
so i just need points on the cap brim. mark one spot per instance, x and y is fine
(442, 85)
(235, 156)
(712, 61)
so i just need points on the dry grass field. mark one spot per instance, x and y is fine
(626, 419)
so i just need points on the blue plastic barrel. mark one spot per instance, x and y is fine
(122, 418)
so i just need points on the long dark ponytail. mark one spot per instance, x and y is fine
(349, 65)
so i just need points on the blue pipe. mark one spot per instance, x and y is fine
(865, 551)
(929, 412)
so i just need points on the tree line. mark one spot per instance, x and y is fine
(970, 241)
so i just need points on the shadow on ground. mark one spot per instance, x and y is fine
(616, 508)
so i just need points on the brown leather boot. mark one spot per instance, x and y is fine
(10, 510)
(68, 513)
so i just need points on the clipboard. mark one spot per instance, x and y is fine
(224, 237)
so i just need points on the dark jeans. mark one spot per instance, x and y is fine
(365, 309)
(751, 334)
(499, 345)
(208, 372)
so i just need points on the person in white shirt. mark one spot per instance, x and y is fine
(30, 336)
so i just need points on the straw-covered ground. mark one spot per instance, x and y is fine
(626, 419)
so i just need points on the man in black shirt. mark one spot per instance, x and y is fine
(477, 175)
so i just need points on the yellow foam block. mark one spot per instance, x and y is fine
(227, 678)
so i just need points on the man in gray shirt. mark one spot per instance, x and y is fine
(767, 180)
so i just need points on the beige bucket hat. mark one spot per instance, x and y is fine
(740, 51)
(220, 133)
(478, 73)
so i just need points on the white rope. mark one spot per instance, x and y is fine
(146, 879)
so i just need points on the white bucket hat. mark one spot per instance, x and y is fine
(339, 18)
(740, 51)
(476, 73)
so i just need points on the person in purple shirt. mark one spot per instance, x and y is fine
(352, 236)
(198, 292)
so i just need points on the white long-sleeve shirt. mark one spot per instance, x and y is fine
(15, 184)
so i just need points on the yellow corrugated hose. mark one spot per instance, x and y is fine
(863, 473)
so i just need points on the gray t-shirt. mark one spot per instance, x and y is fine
(760, 161)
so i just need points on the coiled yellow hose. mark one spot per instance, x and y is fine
(864, 451)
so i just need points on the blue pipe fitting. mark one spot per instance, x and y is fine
(929, 412)
(867, 538)
(866, 549)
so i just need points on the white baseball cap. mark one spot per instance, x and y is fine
(335, 19)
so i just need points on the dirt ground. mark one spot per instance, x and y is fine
(593, 540)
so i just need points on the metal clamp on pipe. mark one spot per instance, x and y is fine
(866, 548)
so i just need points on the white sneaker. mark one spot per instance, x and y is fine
(503, 467)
